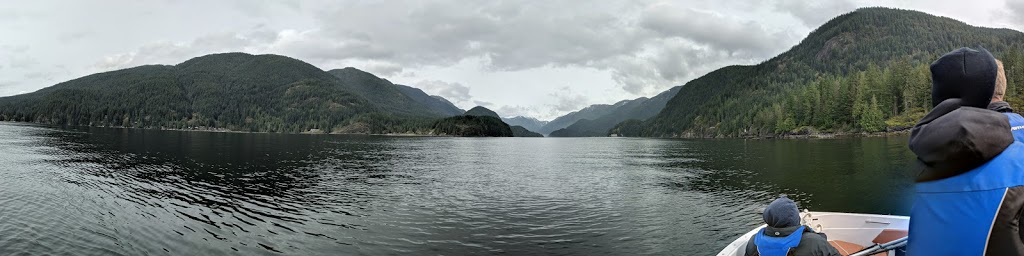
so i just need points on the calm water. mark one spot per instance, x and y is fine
(144, 192)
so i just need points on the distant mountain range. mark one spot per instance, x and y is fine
(435, 103)
(395, 98)
(860, 71)
(481, 111)
(529, 123)
(472, 126)
(597, 120)
(234, 91)
(478, 122)
(519, 131)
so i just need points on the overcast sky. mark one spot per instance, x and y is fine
(535, 58)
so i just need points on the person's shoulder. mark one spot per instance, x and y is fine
(750, 250)
(1012, 158)
(1015, 148)
(815, 244)
(812, 236)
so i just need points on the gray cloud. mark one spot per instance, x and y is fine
(714, 30)
(384, 69)
(73, 36)
(481, 103)
(455, 92)
(514, 110)
(21, 62)
(1016, 9)
(567, 100)
(674, 60)
(646, 46)
(16, 49)
(37, 75)
(815, 13)
(603, 50)
(168, 52)
(511, 34)
(10, 15)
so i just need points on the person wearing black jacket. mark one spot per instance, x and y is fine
(785, 236)
(969, 191)
(1001, 106)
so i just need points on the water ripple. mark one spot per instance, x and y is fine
(141, 192)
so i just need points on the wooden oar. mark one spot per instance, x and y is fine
(879, 248)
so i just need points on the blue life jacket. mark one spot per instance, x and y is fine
(777, 246)
(957, 215)
(1016, 126)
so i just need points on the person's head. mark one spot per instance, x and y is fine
(782, 213)
(1000, 90)
(966, 74)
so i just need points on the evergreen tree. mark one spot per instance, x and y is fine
(872, 120)
(874, 53)
(920, 89)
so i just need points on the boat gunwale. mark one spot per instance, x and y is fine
(739, 245)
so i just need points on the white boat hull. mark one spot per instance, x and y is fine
(860, 229)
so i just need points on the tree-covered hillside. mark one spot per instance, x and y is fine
(382, 92)
(519, 131)
(590, 112)
(581, 128)
(861, 71)
(639, 109)
(235, 91)
(472, 126)
(481, 111)
(436, 103)
(529, 123)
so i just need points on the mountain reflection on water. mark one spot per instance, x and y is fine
(131, 192)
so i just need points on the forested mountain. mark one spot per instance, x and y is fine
(382, 93)
(234, 91)
(861, 71)
(481, 111)
(591, 112)
(472, 126)
(436, 103)
(529, 123)
(640, 109)
(519, 131)
(581, 128)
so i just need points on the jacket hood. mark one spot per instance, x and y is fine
(1000, 106)
(966, 74)
(782, 213)
(954, 139)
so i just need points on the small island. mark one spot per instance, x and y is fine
(477, 122)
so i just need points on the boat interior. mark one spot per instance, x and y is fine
(849, 233)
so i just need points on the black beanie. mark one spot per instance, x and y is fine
(967, 74)
(782, 213)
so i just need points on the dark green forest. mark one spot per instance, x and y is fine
(231, 91)
(250, 93)
(519, 131)
(863, 71)
(641, 108)
(472, 126)
(481, 111)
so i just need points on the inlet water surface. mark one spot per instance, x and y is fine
(146, 192)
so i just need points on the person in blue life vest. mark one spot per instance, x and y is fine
(970, 185)
(785, 236)
(1001, 106)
